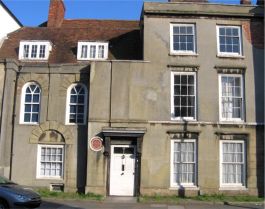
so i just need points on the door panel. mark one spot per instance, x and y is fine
(122, 170)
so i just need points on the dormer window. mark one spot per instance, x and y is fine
(92, 50)
(34, 50)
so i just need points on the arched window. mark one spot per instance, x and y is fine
(30, 103)
(76, 104)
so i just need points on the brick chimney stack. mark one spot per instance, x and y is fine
(56, 13)
(245, 2)
(194, 1)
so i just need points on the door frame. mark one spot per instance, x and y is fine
(123, 136)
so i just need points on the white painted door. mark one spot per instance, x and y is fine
(122, 170)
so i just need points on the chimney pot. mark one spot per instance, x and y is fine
(56, 13)
(245, 2)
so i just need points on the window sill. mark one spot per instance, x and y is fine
(49, 178)
(75, 124)
(183, 120)
(230, 56)
(29, 124)
(90, 59)
(232, 188)
(183, 54)
(232, 122)
(192, 188)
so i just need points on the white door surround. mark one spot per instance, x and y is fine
(122, 170)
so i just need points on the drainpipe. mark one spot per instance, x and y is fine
(110, 98)
(13, 123)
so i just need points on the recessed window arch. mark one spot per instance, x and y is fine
(76, 108)
(30, 103)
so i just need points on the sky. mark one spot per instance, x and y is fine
(35, 12)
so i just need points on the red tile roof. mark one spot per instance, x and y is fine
(123, 37)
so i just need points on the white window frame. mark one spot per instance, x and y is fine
(220, 98)
(22, 104)
(172, 96)
(184, 52)
(229, 54)
(173, 184)
(232, 185)
(68, 104)
(47, 45)
(38, 172)
(88, 44)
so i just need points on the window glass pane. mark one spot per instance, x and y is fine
(80, 108)
(222, 31)
(182, 30)
(27, 117)
(81, 99)
(222, 48)
(176, 30)
(235, 32)
(72, 108)
(28, 98)
(189, 30)
(184, 79)
(101, 51)
(26, 51)
(118, 150)
(73, 99)
(228, 31)
(42, 51)
(35, 108)
(27, 108)
(177, 112)
(34, 51)
(229, 48)
(36, 98)
(92, 51)
(84, 51)
(235, 49)
(190, 47)
(35, 117)
(222, 39)
(177, 79)
(184, 111)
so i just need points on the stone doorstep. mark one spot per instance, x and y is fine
(119, 199)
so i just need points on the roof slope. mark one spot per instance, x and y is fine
(123, 37)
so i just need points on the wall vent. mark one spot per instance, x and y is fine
(57, 187)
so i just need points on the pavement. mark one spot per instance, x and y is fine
(131, 203)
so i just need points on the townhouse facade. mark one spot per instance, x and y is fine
(170, 104)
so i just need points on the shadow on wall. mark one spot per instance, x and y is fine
(133, 49)
(257, 39)
(82, 140)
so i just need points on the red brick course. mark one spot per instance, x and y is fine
(254, 32)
